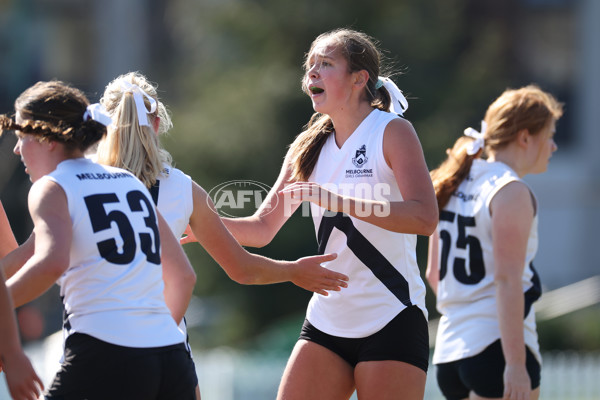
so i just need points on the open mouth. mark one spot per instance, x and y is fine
(316, 90)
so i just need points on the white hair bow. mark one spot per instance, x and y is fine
(479, 141)
(98, 113)
(399, 104)
(138, 97)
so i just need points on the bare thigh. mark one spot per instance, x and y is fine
(535, 395)
(389, 380)
(314, 372)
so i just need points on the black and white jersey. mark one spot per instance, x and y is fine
(172, 194)
(466, 295)
(113, 287)
(381, 264)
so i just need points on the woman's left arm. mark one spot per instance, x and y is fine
(432, 273)
(14, 260)
(512, 217)
(7, 239)
(417, 213)
(179, 276)
(23, 382)
(53, 234)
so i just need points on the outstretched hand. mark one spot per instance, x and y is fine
(310, 275)
(23, 383)
(189, 236)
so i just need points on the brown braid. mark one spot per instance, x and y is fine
(53, 111)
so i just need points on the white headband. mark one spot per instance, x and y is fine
(479, 141)
(138, 97)
(399, 104)
(98, 113)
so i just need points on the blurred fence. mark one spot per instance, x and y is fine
(227, 374)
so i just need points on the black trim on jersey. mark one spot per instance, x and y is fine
(66, 323)
(154, 192)
(534, 292)
(366, 253)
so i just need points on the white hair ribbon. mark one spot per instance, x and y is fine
(98, 113)
(399, 104)
(138, 97)
(478, 143)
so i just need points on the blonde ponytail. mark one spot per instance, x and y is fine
(128, 145)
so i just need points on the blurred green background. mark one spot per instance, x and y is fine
(229, 72)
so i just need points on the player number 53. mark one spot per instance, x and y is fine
(102, 220)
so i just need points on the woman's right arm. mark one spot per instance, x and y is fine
(253, 269)
(259, 229)
(433, 271)
(49, 211)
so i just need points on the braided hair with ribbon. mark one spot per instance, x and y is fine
(56, 111)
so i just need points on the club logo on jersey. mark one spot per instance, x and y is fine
(359, 161)
(360, 158)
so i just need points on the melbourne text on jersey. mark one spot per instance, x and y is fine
(103, 176)
(466, 197)
(359, 173)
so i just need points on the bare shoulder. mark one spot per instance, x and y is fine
(400, 140)
(513, 198)
(203, 204)
(45, 192)
(49, 209)
(198, 190)
(399, 127)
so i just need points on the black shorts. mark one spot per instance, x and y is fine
(93, 369)
(482, 374)
(405, 338)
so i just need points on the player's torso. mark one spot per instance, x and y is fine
(115, 271)
(381, 264)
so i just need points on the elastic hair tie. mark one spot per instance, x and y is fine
(98, 113)
(479, 141)
(399, 104)
(138, 97)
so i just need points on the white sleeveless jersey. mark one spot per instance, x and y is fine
(172, 195)
(113, 287)
(381, 264)
(466, 295)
